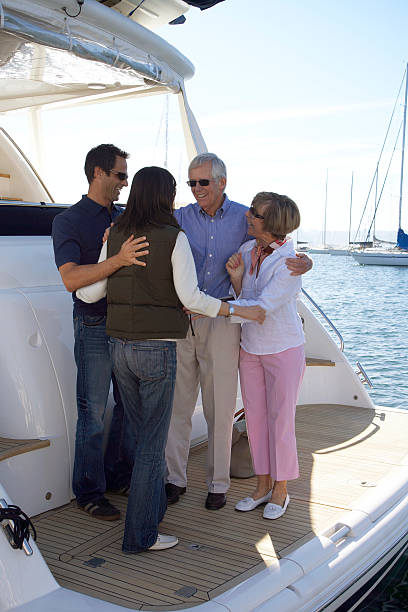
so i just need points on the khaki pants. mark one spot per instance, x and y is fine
(208, 359)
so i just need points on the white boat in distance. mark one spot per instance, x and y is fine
(347, 523)
(397, 256)
(329, 250)
(381, 257)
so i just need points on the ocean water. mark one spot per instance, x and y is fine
(368, 305)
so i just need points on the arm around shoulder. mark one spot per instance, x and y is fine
(300, 264)
(74, 276)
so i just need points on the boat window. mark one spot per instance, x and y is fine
(27, 219)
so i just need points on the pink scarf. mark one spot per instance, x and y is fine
(259, 253)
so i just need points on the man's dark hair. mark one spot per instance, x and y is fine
(102, 156)
(150, 202)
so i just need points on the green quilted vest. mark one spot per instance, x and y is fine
(142, 301)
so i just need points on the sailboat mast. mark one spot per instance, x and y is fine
(351, 204)
(325, 210)
(403, 145)
(375, 200)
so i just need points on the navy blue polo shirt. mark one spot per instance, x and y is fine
(77, 237)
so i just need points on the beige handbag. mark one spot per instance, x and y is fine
(241, 460)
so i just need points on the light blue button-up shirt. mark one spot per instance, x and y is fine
(213, 240)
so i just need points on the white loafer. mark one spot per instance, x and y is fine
(274, 511)
(163, 542)
(249, 503)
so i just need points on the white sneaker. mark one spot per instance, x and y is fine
(274, 511)
(249, 503)
(163, 542)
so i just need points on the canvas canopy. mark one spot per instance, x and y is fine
(46, 58)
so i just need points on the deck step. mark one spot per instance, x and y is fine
(10, 447)
(313, 361)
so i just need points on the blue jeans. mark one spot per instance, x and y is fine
(146, 375)
(94, 374)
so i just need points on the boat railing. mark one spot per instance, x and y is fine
(362, 374)
(326, 318)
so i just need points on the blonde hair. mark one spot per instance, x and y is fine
(281, 214)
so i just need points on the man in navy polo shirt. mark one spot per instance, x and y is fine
(77, 237)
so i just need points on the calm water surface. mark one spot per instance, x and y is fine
(368, 305)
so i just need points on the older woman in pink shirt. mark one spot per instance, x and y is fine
(272, 358)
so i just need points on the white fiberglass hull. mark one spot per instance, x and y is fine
(321, 251)
(381, 259)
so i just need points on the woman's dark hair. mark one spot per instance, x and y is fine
(150, 201)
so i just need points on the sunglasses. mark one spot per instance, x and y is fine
(253, 213)
(122, 176)
(201, 182)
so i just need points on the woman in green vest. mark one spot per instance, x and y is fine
(145, 319)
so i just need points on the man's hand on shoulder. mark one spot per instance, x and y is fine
(74, 276)
(131, 249)
(300, 264)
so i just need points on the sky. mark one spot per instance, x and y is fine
(286, 92)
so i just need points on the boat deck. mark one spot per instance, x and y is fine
(342, 450)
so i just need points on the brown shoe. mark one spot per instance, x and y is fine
(173, 492)
(215, 501)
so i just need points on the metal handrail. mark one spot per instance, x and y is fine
(326, 318)
(365, 379)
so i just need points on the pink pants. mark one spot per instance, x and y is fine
(270, 387)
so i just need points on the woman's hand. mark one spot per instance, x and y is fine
(252, 313)
(256, 313)
(235, 267)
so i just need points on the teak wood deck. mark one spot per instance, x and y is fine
(340, 447)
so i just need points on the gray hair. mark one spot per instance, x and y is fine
(218, 168)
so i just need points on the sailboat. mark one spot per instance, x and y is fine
(323, 249)
(376, 254)
(347, 523)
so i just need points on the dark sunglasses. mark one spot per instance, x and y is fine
(122, 176)
(253, 213)
(201, 182)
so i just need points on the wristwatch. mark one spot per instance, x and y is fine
(231, 310)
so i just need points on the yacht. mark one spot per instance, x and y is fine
(347, 523)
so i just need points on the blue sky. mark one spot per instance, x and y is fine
(284, 90)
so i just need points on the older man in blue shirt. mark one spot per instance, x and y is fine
(216, 227)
